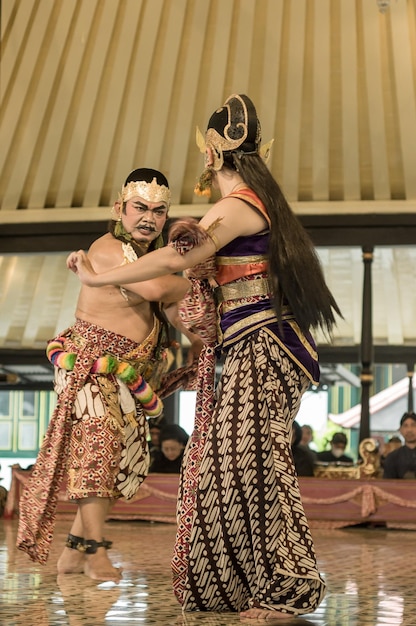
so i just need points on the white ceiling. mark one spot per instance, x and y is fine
(92, 89)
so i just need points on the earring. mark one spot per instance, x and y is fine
(203, 186)
(115, 215)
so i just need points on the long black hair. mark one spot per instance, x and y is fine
(294, 265)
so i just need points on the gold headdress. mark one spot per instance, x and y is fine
(233, 128)
(152, 192)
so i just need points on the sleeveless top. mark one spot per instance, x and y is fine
(244, 296)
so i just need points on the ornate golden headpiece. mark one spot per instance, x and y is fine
(152, 192)
(233, 128)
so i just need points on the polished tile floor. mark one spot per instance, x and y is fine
(370, 573)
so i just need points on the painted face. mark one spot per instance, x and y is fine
(144, 220)
(171, 449)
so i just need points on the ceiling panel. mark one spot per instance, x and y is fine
(91, 90)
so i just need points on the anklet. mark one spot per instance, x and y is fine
(91, 546)
(74, 542)
(78, 543)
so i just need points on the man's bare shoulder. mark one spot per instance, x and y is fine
(105, 253)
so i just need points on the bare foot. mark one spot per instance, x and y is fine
(265, 615)
(99, 567)
(71, 562)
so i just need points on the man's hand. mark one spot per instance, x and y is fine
(172, 313)
(194, 350)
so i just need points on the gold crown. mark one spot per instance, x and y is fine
(152, 192)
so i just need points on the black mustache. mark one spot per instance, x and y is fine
(148, 227)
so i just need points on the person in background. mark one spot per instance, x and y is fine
(307, 437)
(168, 460)
(303, 458)
(307, 441)
(107, 368)
(336, 454)
(401, 463)
(243, 542)
(155, 426)
(392, 444)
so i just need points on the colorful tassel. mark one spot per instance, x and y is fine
(57, 356)
(150, 401)
(126, 372)
(104, 365)
(152, 404)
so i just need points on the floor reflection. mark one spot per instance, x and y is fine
(370, 574)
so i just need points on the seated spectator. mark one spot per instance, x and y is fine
(155, 426)
(303, 457)
(401, 463)
(392, 444)
(307, 437)
(336, 453)
(168, 460)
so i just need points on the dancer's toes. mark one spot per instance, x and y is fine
(263, 615)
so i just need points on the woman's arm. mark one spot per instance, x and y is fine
(166, 289)
(106, 254)
(234, 218)
(153, 264)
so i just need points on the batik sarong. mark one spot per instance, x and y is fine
(108, 454)
(249, 540)
(115, 440)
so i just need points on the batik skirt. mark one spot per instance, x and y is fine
(246, 541)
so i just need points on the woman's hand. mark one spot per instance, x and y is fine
(79, 263)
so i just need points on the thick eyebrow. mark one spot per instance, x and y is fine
(146, 206)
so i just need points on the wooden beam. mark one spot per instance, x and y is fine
(325, 230)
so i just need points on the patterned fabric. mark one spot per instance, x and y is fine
(108, 364)
(197, 309)
(39, 499)
(249, 541)
(198, 313)
(243, 538)
(191, 462)
(108, 452)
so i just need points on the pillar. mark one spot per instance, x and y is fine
(367, 349)
(410, 404)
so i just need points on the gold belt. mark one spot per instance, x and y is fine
(243, 289)
(241, 260)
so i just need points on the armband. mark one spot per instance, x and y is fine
(210, 232)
